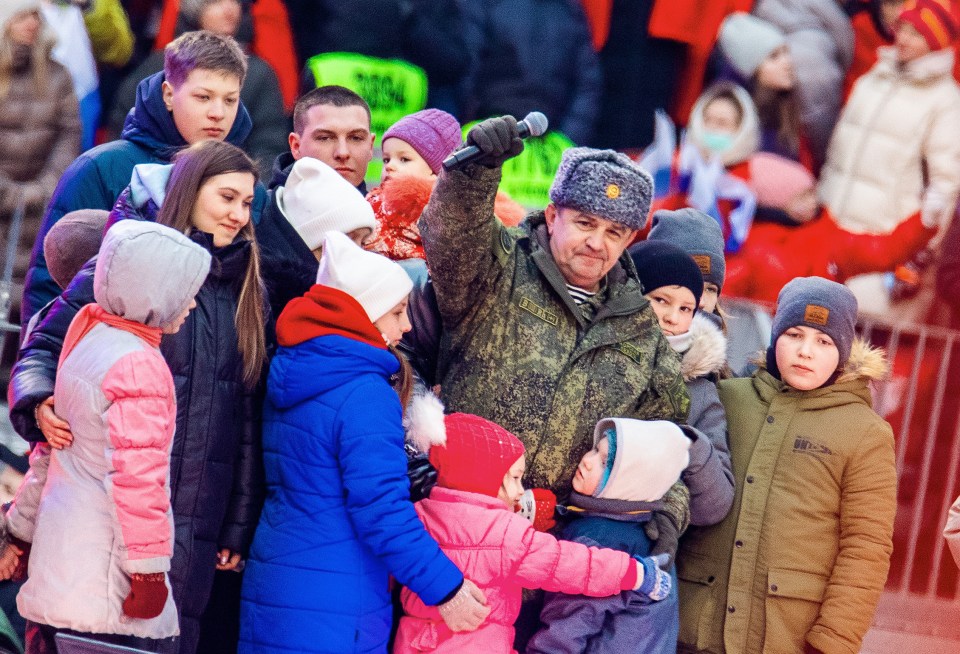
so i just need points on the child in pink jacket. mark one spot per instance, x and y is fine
(94, 519)
(471, 514)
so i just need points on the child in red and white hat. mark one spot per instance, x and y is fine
(471, 514)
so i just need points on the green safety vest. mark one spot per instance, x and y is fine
(393, 88)
(528, 176)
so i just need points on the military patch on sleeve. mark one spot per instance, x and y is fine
(816, 314)
(703, 262)
(630, 350)
(543, 314)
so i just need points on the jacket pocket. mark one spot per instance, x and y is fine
(701, 608)
(792, 606)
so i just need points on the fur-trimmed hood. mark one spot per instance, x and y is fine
(865, 362)
(708, 349)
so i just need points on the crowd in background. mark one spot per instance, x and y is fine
(816, 138)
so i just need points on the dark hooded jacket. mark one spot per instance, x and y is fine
(95, 179)
(216, 477)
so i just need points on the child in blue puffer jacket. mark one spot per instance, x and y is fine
(338, 521)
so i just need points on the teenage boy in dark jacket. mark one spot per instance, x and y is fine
(196, 97)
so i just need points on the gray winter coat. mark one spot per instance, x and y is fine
(710, 474)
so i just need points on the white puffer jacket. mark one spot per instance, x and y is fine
(896, 148)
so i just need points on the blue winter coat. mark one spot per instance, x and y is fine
(95, 179)
(338, 520)
(628, 622)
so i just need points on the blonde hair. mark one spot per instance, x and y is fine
(39, 62)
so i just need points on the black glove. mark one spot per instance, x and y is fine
(665, 534)
(497, 138)
(420, 472)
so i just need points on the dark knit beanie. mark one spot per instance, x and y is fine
(603, 183)
(72, 241)
(821, 304)
(698, 235)
(662, 264)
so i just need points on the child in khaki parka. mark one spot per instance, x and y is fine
(799, 563)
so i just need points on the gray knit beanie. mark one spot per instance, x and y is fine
(821, 304)
(747, 40)
(698, 235)
(604, 183)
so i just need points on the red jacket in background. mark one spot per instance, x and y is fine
(272, 41)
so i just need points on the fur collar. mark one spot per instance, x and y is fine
(708, 350)
(865, 362)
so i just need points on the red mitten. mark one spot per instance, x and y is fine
(537, 505)
(148, 594)
(20, 573)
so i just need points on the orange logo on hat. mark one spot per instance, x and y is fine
(816, 314)
(613, 191)
(703, 262)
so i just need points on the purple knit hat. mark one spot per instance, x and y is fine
(433, 133)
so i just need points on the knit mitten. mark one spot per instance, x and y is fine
(148, 594)
(655, 583)
(538, 505)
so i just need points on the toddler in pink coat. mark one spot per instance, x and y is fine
(471, 514)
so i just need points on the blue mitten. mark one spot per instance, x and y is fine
(656, 583)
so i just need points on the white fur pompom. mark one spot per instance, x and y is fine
(423, 422)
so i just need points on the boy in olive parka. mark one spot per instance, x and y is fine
(799, 563)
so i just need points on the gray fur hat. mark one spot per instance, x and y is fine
(698, 235)
(604, 183)
(821, 304)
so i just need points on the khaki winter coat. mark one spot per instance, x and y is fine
(896, 148)
(804, 553)
(517, 350)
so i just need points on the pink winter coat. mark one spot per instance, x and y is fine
(502, 553)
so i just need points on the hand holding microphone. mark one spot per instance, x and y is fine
(495, 140)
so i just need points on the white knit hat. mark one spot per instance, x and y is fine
(648, 457)
(373, 280)
(10, 8)
(316, 200)
(747, 40)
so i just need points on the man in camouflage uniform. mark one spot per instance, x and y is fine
(546, 329)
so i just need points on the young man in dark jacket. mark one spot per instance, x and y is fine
(196, 97)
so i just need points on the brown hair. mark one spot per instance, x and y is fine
(192, 168)
(403, 380)
(39, 61)
(778, 109)
(337, 96)
(204, 50)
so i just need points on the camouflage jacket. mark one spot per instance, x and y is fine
(517, 350)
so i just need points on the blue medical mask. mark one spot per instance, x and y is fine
(718, 142)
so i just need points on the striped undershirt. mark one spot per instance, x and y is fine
(579, 295)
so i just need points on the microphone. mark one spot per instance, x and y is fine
(535, 124)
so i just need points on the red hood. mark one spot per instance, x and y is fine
(325, 311)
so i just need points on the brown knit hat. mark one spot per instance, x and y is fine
(72, 241)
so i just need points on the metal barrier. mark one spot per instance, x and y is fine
(922, 403)
(920, 608)
(7, 286)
